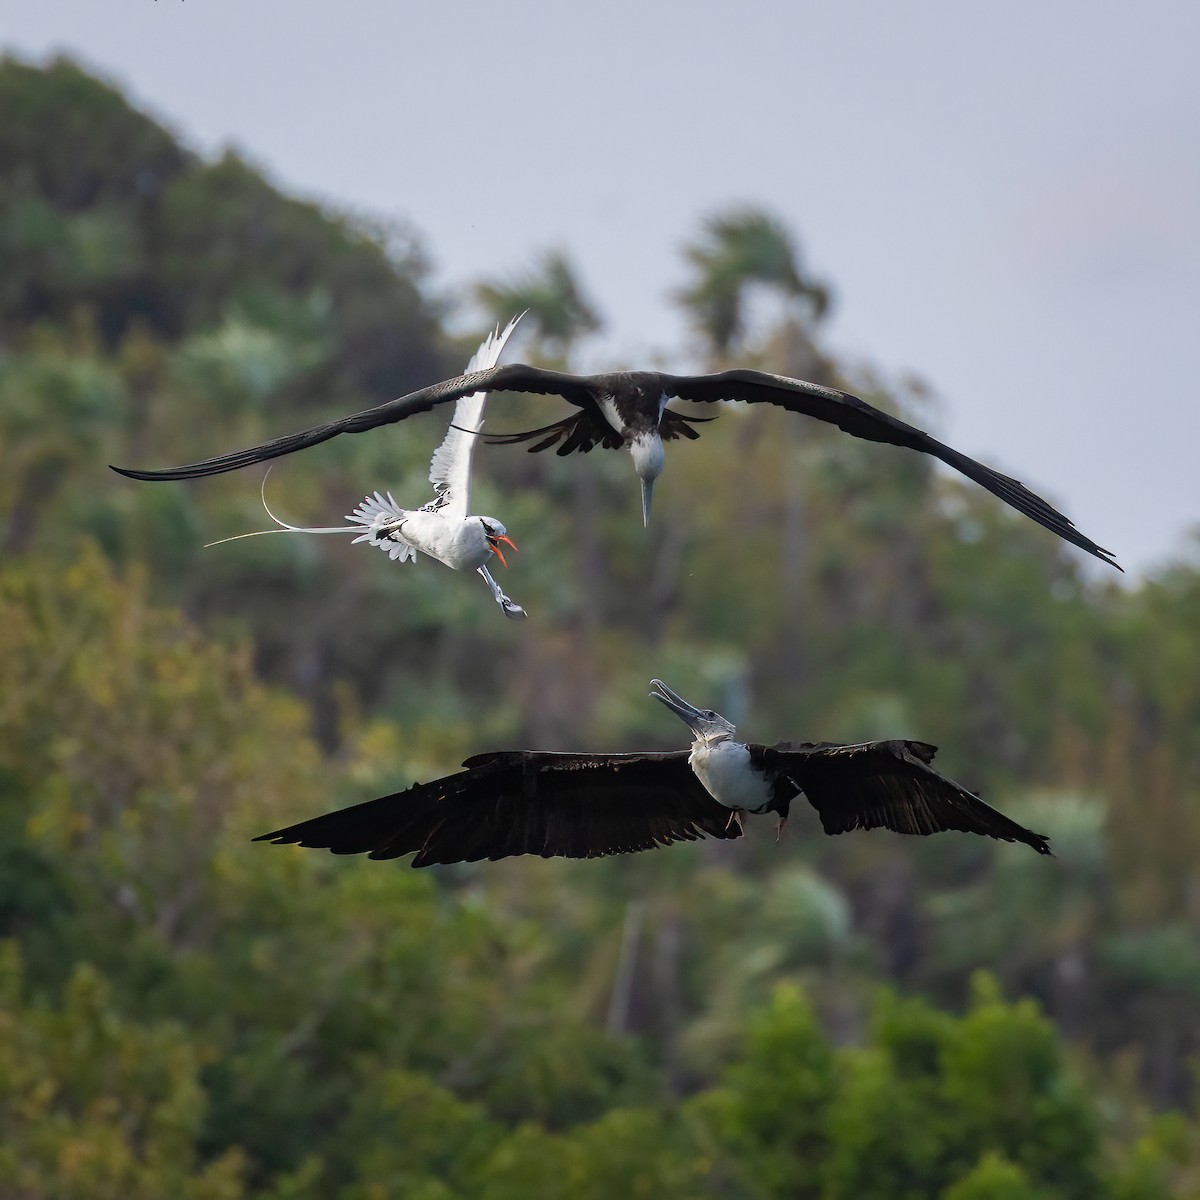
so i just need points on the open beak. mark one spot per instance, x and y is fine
(647, 492)
(494, 542)
(676, 703)
(707, 726)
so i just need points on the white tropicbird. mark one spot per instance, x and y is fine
(442, 528)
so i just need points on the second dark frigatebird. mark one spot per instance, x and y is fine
(629, 409)
(590, 805)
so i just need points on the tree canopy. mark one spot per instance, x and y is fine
(184, 1012)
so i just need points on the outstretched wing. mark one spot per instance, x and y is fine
(450, 470)
(516, 377)
(524, 802)
(890, 784)
(860, 419)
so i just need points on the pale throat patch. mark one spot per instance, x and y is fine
(649, 457)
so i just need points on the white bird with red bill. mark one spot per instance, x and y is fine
(442, 529)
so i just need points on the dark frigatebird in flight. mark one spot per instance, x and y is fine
(629, 408)
(589, 805)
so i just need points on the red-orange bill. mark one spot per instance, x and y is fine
(494, 542)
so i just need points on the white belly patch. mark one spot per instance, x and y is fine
(727, 774)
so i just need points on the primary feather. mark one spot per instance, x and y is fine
(450, 468)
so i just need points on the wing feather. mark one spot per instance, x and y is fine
(450, 469)
(892, 785)
(580, 431)
(860, 419)
(516, 377)
(522, 802)
(583, 431)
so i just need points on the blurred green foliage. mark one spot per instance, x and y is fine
(183, 1012)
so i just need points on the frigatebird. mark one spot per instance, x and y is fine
(629, 408)
(442, 528)
(589, 805)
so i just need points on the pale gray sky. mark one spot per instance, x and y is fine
(1006, 197)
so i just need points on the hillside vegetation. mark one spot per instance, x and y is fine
(185, 1013)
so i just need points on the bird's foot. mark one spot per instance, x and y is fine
(510, 609)
(735, 819)
(781, 829)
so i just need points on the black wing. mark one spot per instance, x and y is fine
(585, 430)
(515, 377)
(581, 431)
(860, 419)
(523, 802)
(889, 784)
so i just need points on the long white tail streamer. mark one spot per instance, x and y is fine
(373, 515)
